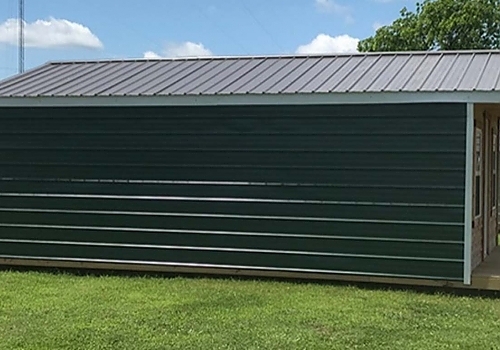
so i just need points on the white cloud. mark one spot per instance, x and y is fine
(324, 43)
(49, 34)
(377, 25)
(185, 49)
(332, 6)
(151, 55)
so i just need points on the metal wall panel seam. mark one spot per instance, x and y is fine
(233, 133)
(277, 218)
(235, 166)
(234, 233)
(241, 150)
(221, 249)
(229, 233)
(227, 199)
(231, 183)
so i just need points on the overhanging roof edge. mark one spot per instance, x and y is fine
(248, 99)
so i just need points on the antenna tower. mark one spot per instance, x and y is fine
(21, 36)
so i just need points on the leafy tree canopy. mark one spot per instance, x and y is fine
(440, 25)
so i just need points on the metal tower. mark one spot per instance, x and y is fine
(21, 36)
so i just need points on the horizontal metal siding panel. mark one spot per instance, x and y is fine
(310, 141)
(229, 206)
(218, 257)
(353, 246)
(234, 113)
(220, 157)
(17, 125)
(257, 224)
(362, 176)
(364, 187)
(431, 195)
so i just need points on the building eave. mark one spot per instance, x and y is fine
(249, 99)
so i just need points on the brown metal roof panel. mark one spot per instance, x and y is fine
(401, 78)
(309, 75)
(300, 70)
(226, 77)
(456, 73)
(423, 72)
(286, 68)
(386, 76)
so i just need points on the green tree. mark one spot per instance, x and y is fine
(440, 25)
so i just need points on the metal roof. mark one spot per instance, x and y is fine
(465, 71)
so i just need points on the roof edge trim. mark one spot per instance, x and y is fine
(231, 100)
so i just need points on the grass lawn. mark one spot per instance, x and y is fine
(49, 311)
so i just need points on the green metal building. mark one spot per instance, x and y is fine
(352, 167)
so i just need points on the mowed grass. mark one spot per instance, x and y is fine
(57, 311)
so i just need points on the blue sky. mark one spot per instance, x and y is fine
(98, 29)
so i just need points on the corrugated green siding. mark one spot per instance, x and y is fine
(376, 189)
